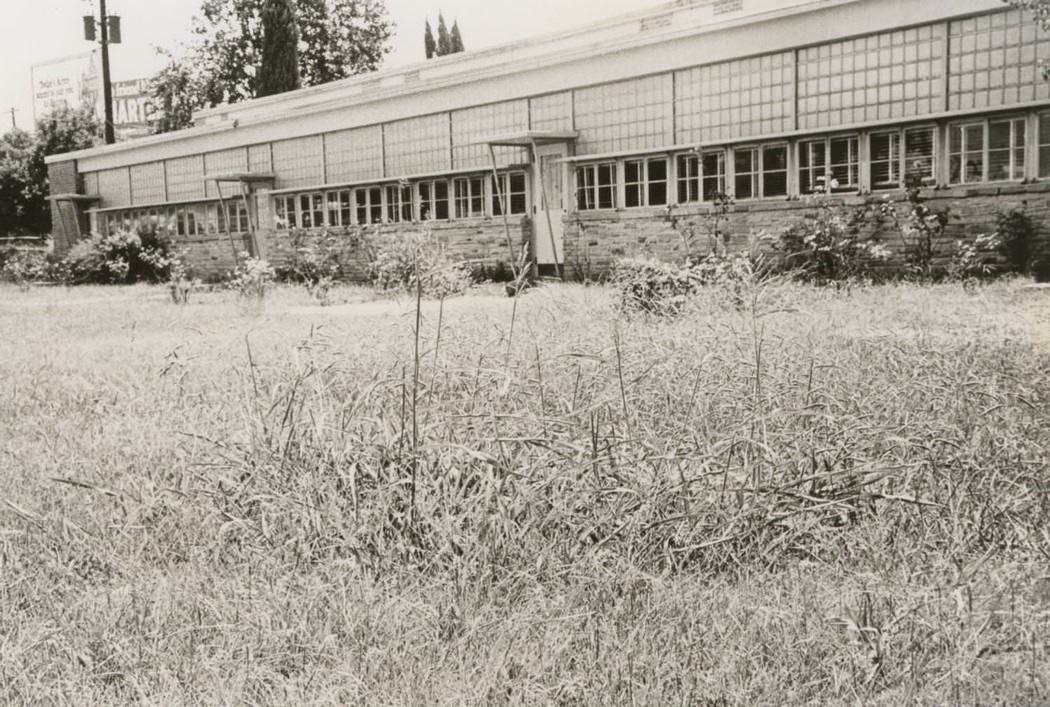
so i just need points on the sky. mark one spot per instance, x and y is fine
(41, 30)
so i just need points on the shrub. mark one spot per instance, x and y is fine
(180, 284)
(974, 260)
(1017, 234)
(1041, 269)
(654, 286)
(252, 278)
(405, 261)
(123, 257)
(921, 228)
(832, 243)
(315, 261)
(23, 267)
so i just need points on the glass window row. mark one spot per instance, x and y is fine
(979, 150)
(202, 219)
(470, 196)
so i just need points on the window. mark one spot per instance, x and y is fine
(760, 172)
(470, 197)
(236, 217)
(775, 171)
(966, 153)
(885, 151)
(399, 203)
(645, 182)
(369, 201)
(284, 213)
(918, 153)
(596, 186)
(339, 208)
(830, 164)
(311, 210)
(1044, 145)
(433, 200)
(700, 177)
(511, 188)
(745, 182)
(1006, 147)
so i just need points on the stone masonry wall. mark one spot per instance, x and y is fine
(593, 240)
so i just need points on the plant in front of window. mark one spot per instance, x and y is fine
(832, 243)
(921, 228)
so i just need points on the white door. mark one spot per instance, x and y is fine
(548, 199)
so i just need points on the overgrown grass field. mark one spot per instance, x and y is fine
(797, 496)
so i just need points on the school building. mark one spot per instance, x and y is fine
(579, 144)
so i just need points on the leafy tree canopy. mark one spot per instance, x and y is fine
(24, 185)
(337, 39)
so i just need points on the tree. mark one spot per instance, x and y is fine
(24, 185)
(447, 42)
(444, 41)
(337, 38)
(429, 45)
(279, 69)
(17, 213)
(455, 40)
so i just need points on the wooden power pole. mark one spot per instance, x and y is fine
(107, 87)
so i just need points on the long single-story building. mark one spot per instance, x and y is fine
(584, 141)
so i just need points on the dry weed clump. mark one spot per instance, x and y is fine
(810, 496)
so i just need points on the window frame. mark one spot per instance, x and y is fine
(506, 189)
(595, 188)
(758, 172)
(853, 164)
(431, 201)
(645, 183)
(475, 195)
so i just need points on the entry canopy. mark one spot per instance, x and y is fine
(528, 138)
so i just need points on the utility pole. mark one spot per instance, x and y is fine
(14, 123)
(107, 87)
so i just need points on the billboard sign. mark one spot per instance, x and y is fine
(62, 83)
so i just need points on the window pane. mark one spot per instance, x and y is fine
(714, 174)
(688, 182)
(774, 171)
(657, 191)
(918, 153)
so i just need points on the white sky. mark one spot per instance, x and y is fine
(39, 30)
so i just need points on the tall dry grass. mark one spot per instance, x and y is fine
(797, 496)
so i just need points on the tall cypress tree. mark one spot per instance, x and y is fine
(428, 42)
(444, 41)
(456, 41)
(279, 71)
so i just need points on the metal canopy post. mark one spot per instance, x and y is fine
(252, 230)
(546, 203)
(226, 224)
(503, 209)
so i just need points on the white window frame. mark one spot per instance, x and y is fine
(431, 201)
(475, 189)
(370, 205)
(644, 185)
(804, 147)
(507, 193)
(582, 185)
